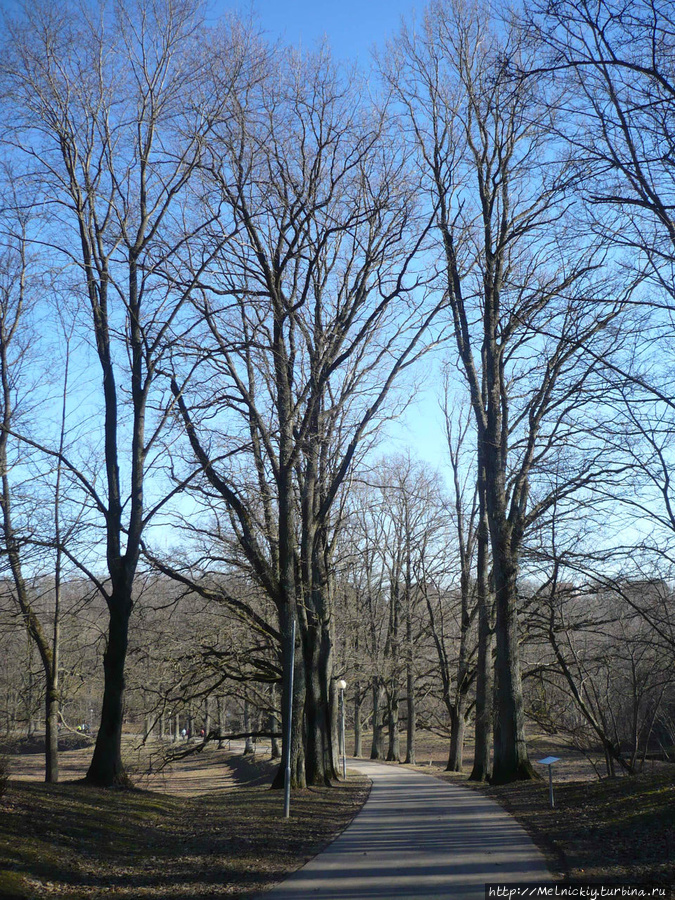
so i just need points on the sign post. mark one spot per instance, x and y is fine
(548, 761)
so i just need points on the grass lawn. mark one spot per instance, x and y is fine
(74, 841)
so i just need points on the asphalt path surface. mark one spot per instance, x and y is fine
(418, 837)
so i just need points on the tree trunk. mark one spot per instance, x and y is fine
(482, 769)
(52, 736)
(298, 779)
(274, 724)
(394, 749)
(358, 737)
(511, 761)
(248, 745)
(315, 749)
(207, 718)
(332, 702)
(321, 753)
(411, 755)
(457, 727)
(298, 769)
(458, 709)
(106, 768)
(377, 746)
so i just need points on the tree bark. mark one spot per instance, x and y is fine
(482, 762)
(411, 730)
(377, 745)
(106, 768)
(358, 736)
(511, 761)
(394, 749)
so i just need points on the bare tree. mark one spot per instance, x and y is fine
(17, 298)
(615, 61)
(307, 316)
(522, 286)
(472, 541)
(107, 110)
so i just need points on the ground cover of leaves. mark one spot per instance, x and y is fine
(73, 841)
(615, 830)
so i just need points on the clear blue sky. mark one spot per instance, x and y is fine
(351, 26)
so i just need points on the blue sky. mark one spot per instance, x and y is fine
(351, 26)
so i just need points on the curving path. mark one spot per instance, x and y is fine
(417, 838)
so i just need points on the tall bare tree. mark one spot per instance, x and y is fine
(107, 109)
(521, 283)
(310, 311)
(17, 303)
(616, 62)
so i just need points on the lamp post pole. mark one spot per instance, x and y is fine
(342, 684)
(289, 728)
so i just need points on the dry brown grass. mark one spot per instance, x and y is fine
(218, 832)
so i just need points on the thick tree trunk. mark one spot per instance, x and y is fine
(482, 767)
(332, 703)
(321, 751)
(358, 736)
(52, 736)
(298, 769)
(106, 768)
(511, 761)
(315, 712)
(482, 763)
(457, 728)
(411, 752)
(298, 779)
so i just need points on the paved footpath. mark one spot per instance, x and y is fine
(416, 838)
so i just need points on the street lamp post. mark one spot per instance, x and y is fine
(289, 727)
(342, 684)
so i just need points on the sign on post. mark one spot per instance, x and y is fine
(548, 761)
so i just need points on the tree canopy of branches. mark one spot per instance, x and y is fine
(246, 250)
(106, 109)
(310, 309)
(526, 298)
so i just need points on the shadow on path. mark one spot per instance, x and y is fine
(418, 838)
